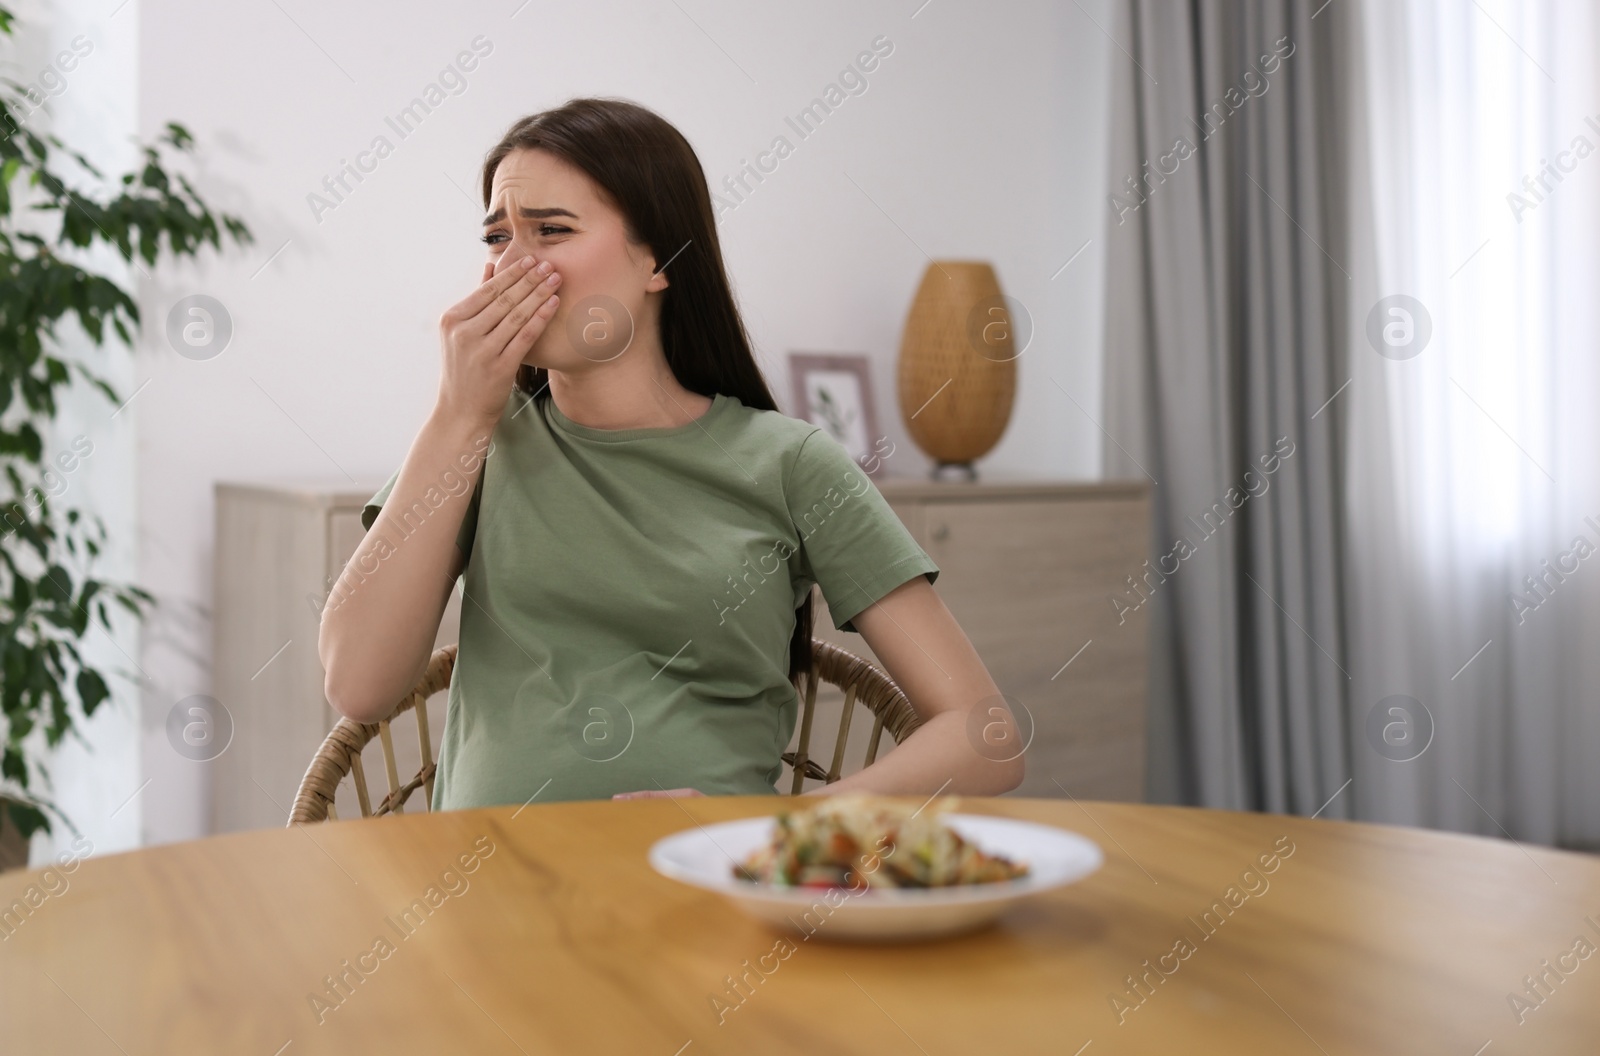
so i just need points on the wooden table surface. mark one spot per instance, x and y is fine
(561, 939)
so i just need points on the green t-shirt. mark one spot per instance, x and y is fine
(630, 595)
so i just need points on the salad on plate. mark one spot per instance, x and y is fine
(851, 838)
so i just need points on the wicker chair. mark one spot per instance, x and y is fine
(340, 754)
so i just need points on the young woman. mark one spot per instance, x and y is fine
(639, 526)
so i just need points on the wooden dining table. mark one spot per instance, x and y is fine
(542, 929)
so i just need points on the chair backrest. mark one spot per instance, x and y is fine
(340, 753)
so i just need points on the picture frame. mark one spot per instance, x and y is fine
(833, 390)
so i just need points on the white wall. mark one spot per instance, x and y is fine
(981, 136)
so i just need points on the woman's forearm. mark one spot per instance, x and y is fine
(380, 622)
(938, 756)
(907, 629)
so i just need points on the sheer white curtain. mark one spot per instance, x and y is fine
(1473, 525)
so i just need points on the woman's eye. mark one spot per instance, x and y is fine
(544, 230)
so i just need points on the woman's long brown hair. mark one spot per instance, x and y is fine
(654, 179)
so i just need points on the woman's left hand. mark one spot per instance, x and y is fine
(656, 793)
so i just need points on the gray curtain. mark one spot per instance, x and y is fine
(1226, 304)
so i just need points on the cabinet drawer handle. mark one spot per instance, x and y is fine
(941, 532)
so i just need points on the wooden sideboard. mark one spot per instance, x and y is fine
(1028, 568)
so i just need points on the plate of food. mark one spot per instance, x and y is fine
(855, 866)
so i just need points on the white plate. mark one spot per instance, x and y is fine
(704, 857)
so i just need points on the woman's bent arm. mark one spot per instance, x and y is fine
(969, 742)
(379, 625)
(382, 617)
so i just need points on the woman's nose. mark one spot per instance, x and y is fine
(514, 251)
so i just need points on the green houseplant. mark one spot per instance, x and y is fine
(47, 554)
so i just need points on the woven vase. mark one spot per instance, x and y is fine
(958, 371)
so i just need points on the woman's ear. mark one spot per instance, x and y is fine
(658, 269)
